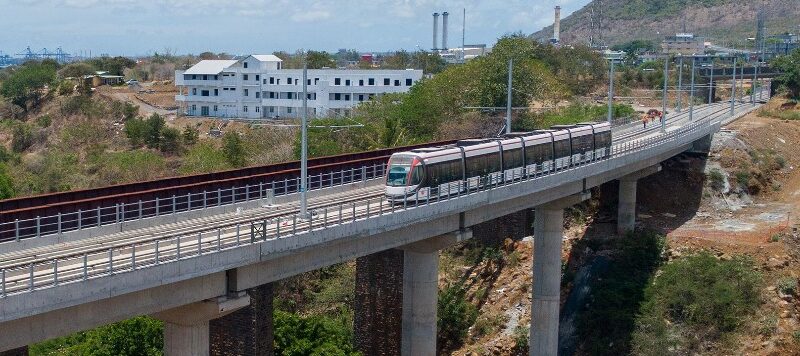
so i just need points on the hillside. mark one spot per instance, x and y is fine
(722, 21)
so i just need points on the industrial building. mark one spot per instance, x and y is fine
(257, 87)
(683, 43)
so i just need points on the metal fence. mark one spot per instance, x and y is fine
(142, 209)
(40, 271)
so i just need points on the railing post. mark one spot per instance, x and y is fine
(80, 219)
(122, 212)
(340, 214)
(247, 192)
(219, 239)
(141, 213)
(294, 225)
(363, 173)
(237, 234)
(98, 216)
(59, 223)
(2, 283)
(354, 211)
(16, 230)
(205, 202)
(178, 249)
(133, 257)
(30, 277)
(158, 206)
(55, 271)
(325, 217)
(278, 229)
(188, 201)
(38, 226)
(199, 243)
(219, 196)
(117, 208)
(110, 261)
(85, 267)
(367, 208)
(173, 204)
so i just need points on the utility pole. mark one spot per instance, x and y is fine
(711, 84)
(463, 36)
(680, 81)
(664, 108)
(508, 99)
(611, 93)
(304, 139)
(733, 86)
(753, 87)
(742, 78)
(691, 93)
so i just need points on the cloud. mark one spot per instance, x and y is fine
(310, 16)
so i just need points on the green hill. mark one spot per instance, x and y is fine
(728, 22)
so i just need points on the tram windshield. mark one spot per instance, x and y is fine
(398, 172)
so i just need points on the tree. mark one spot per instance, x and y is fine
(317, 60)
(311, 335)
(170, 140)
(455, 316)
(76, 70)
(26, 83)
(429, 62)
(233, 148)
(22, 138)
(113, 65)
(135, 130)
(399, 60)
(789, 66)
(190, 135)
(635, 46)
(153, 126)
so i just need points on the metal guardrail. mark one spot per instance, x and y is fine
(124, 212)
(24, 277)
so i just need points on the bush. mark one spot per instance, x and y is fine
(716, 180)
(44, 120)
(153, 127)
(141, 336)
(170, 140)
(233, 148)
(787, 285)
(204, 158)
(190, 135)
(743, 179)
(6, 187)
(455, 316)
(521, 336)
(22, 138)
(65, 88)
(311, 335)
(135, 130)
(698, 295)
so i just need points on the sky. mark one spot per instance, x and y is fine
(142, 27)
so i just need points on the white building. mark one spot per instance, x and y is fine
(257, 87)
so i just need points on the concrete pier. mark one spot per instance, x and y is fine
(186, 328)
(626, 207)
(626, 210)
(548, 232)
(247, 331)
(378, 303)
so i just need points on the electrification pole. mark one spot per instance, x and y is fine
(664, 108)
(508, 99)
(611, 93)
(680, 82)
(733, 86)
(691, 93)
(711, 84)
(304, 139)
(753, 87)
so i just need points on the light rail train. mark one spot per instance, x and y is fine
(433, 172)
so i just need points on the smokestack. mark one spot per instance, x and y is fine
(557, 25)
(435, 29)
(444, 29)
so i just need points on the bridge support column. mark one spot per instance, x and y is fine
(247, 331)
(548, 232)
(626, 208)
(186, 328)
(378, 302)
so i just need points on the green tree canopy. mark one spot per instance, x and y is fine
(789, 65)
(26, 83)
(76, 70)
(233, 148)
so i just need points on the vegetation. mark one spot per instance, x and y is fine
(455, 315)
(789, 65)
(695, 299)
(311, 335)
(142, 336)
(25, 84)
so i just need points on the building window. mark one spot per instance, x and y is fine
(360, 97)
(386, 81)
(258, 109)
(194, 91)
(215, 108)
(279, 81)
(371, 81)
(216, 77)
(258, 77)
(205, 77)
(316, 80)
(245, 77)
(337, 96)
(194, 108)
(272, 95)
(204, 93)
(233, 89)
(308, 82)
(271, 109)
(246, 92)
(245, 65)
(244, 108)
(194, 76)
(347, 97)
(347, 82)
(216, 92)
(396, 83)
(361, 82)
(265, 81)
(272, 80)
(258, 95)
(409, 82)
(337, 81)
(225, 89)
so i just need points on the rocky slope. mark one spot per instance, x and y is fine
(728, 22)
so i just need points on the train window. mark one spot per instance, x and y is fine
(397, 175)
(512, 158)
(539, 153)
(416, 175)
(582, 144)
(562, 148)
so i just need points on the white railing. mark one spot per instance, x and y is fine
(40, 272)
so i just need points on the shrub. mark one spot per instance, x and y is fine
(141, 336)
(135, 130)
(153, 127)
(190, 135)
(521, 336)
(44, 120)
(22, 138)
(703, 295)
(311, 335)
(743, 178)
(489, 324)
(66, 88)
(455, 316)
(204, 158)
(716, 180)
(6, 187)
(787, 285)
(170, 140)
(233, 148)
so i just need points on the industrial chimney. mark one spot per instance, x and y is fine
(435, 30)
(444, 29)
(557, 26)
